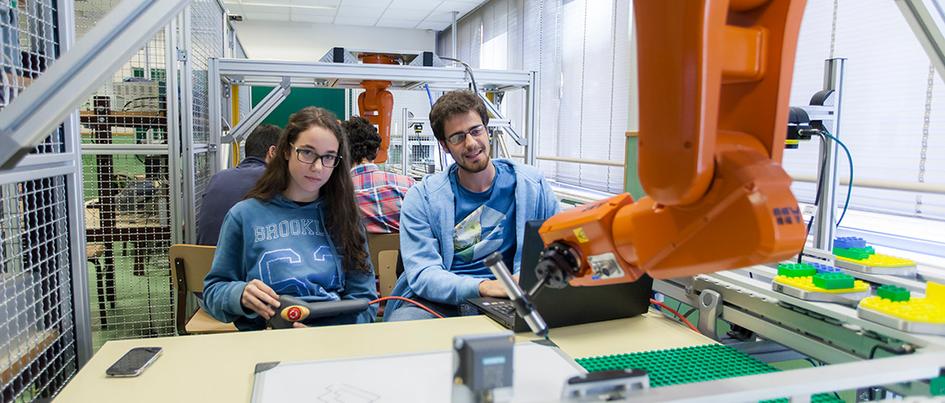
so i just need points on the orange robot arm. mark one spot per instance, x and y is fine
(376, 104)
(715, 77)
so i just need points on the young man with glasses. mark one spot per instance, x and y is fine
(452, 220)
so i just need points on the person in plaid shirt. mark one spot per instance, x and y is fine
(379, 193)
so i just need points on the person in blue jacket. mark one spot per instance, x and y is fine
(452, 220)
(298, 232)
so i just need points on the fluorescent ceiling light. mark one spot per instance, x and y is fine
(250, 3)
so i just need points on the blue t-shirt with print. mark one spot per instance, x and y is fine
(485, 223)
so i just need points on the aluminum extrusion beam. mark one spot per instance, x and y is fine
(405, 143)
(259, 113)
(825, 222)
(926, 31)
(270, 72)
(42, 107)
(494, 111)
(801, 383)
(82, 318)
(531, 117)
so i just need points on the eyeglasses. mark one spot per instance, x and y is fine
(457, 138)
(309, 156)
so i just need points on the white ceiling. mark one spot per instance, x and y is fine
(416, 14)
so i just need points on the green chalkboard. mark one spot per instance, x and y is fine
(332, 99)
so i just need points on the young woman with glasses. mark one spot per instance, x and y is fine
(297, 233)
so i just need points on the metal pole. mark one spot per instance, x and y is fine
(173, 131)
(531, 116)
(825, 221)
(404, 163)
(347, 103)
(453, 51)
(215, 111)
(187, 130)
(74, 188)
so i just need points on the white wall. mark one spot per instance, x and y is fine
(283, 40)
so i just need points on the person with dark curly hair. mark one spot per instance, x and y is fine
(379, 193)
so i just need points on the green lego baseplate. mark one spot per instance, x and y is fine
(688, 365)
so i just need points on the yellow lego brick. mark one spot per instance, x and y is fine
(879, 260)
(807, 284)
(935, 292)
(930, 309)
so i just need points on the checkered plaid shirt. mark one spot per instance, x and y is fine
(379, 194)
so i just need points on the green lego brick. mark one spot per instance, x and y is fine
(688, 365)
(854, 253)
(833, 281)
(796, 270)
(893, 293)
(937, 386)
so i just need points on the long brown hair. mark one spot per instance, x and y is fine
(342, 217)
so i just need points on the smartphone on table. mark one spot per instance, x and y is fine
(133, 362)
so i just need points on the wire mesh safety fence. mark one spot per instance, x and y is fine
(202, 167)
(37, 333)
(28, 45)
(207, 41)
(133, 101)
(126, 192)
(38, 349)
(128, 233)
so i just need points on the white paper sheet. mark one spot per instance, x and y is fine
(539, 375)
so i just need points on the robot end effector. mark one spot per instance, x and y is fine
(711, 141)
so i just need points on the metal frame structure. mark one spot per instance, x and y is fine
(825, 221)
(800, 384)
(263, 109)
(192, 149)
(180, 151)
(46, 324)
(53, 96)
(188, 164)
(132, 233)
(80, 300)
(337, 75)
(926, 31)
(828, 332)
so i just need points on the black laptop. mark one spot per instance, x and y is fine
(568, 306)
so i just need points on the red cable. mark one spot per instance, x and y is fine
(673, 311)
(424, 307)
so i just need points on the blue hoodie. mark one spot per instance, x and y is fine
(426, 234)
(285, 245)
